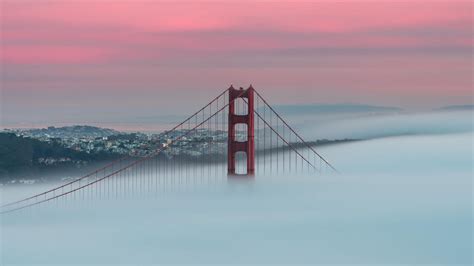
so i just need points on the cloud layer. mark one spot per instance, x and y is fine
(394, 53)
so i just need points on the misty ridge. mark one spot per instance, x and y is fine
(295, 109)
(355, 121)
(466, 107)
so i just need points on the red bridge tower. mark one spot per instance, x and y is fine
(241, 146)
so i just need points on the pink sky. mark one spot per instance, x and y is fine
(147, 55)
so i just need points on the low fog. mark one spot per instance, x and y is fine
(398, 200)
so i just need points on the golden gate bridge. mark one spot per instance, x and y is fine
(256, 141)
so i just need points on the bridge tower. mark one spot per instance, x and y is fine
(233, 145)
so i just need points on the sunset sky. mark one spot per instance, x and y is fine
(91, 59)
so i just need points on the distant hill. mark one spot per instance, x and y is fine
(466, 107)
(77, 131)
(333, 108)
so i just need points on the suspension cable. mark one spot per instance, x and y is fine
(294, 132)
(283, 139)
(136, 162)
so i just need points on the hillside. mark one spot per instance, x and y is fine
(23, 154)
